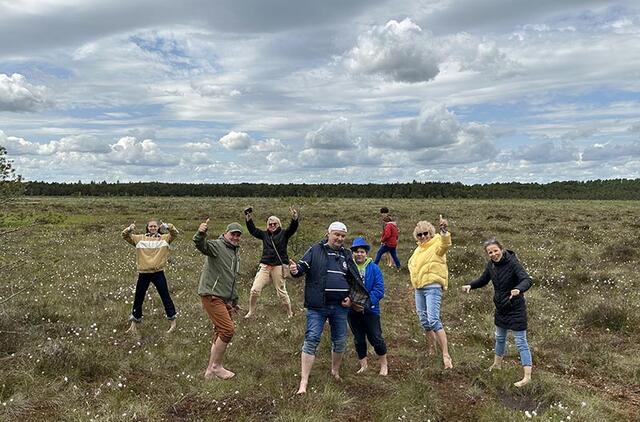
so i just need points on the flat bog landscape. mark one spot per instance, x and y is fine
(67, 280)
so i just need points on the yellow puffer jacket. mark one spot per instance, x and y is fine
(428, 263)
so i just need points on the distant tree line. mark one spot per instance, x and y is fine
(622, 189)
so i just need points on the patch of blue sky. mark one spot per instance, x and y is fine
(523, 110)
(35, 71)
(128, 112)
(196, 124)
(171, 52)
(487, 113)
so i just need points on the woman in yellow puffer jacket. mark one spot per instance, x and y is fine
(429, 277)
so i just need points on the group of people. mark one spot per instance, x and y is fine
(343, 286)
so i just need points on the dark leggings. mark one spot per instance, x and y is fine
(367, 325)
(158, 279)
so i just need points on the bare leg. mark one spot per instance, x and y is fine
(336, 361)
(497, 363)
(384, 365)
(363, 365)
(172, 326)
(215, 367)
(389, 260)
(287, 308)
(253, 303)
(306, 363)
(526, 379)
(431, 342)
(442, 339)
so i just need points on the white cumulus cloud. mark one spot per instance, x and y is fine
(131, 151)
(398, 51)
(16, 94)
(236, 140)
(334, 135)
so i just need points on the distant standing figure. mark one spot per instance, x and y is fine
(274, 263)
(217, 290)
(366, 325)
(384, 212)
(510, 281)
(152, 250)
(389, 241)
(429, 277)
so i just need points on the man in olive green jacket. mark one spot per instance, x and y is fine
(217, 290)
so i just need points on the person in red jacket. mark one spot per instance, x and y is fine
(389, 241)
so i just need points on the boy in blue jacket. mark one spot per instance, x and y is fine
(366, 325)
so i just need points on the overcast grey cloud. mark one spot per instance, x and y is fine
(224, 91)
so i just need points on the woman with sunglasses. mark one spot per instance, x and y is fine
(429, 277)
(274, 263)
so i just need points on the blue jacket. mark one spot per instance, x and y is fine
(374, 283)
(314, 266)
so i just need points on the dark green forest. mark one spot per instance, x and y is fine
(618, 189)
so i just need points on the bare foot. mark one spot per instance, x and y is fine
(336, 375)
(219, 372)
(524, 381)
(495, 366)
(248, 315)
(431, 351)
(133, 329)
(302, 389)
(446, 359)
(172, 327)
(384, 370)
(363, 365)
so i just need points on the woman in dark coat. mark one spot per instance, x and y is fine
(510, 281)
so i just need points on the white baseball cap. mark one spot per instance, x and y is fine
(337, 226)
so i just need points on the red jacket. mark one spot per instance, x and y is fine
(390, 234)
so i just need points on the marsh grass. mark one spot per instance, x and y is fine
(64, 354)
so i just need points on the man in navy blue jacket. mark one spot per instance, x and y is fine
(332, 286)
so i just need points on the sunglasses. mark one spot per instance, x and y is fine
(425, 234)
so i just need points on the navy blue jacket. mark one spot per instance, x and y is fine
(506, 275)
(314, 266)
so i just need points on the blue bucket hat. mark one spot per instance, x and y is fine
(360, 242)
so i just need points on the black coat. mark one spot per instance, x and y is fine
(279, 239)
(506, 275)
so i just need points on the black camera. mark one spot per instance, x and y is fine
(248, 210)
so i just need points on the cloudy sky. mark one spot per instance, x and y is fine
(359, 91)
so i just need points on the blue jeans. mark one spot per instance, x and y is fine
(392, 251)
(337, 316)
(428, 307)
(520, 338)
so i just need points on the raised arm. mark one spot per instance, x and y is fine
(200, 240)
(173, 232)
(251, 228)
(127, 233)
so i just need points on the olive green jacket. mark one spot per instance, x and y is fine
(221, 267)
